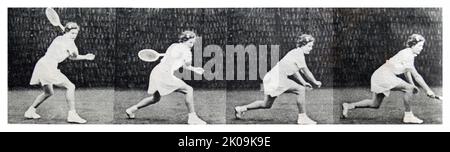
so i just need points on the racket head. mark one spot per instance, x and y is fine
(148, 55)
(52, 16)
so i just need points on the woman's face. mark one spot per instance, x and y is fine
(190, 42)
(308, 47)
(416, 49)
(72, 34)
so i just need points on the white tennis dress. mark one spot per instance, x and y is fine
(385, 78)
(46, 69)
(162, 78)
(276, 81)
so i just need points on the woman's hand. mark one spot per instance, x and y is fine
(198, 70)
(90, 56)
(318, 83)
(416, 90)
(430, 94)
(307, 85)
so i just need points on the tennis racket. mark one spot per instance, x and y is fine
(149, 55)
(437, 97)
(53, 17)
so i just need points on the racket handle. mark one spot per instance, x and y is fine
(436, 97)
(62, 27)
(162, 54)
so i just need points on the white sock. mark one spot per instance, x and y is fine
(193, 114)
(133, 108)
(302, 115)
(72, 112)
(243, 108)
(409, 113)
(31, 108)
(350, 106)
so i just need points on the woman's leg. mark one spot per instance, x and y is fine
(72, 116)
(31, 111)
(70, 94)
(48, 92)
(375, 102)
(259, 104)
(189, 97)
(193, 119)
(301, 101)
(303, 118)
(408, 89)
(152, 99)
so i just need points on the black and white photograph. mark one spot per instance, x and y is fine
(159, 66)
(61, 65)
(225, 66)
(388, 66)
(287, 77)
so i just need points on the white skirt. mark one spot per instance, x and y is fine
(275, 83)
(46, 72)
(383, 80)
(163, 81)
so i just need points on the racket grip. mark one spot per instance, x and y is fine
(436, 97)
(62, 27)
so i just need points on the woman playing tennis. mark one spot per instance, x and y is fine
(276, 81)
(47, 74)
(163, 81)
(385, 79)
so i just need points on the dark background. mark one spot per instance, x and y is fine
(366, 38)
(350, 43)
(30, 34)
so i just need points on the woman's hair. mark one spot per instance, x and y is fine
(185, 36)
(70, 26)
(304, 39)
(414, 39)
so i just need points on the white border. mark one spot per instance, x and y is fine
(225, 3)
(215, 4)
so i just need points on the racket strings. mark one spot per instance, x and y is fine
(52, 16)
(151, 55)
(148, 55)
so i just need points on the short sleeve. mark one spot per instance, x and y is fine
(72, 47)
(173, 51)
(187, 56)
(408, 62)
(300, 62)
(406, 59)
